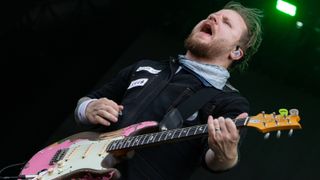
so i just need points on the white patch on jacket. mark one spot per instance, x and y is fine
(138, 82)
(149, 69)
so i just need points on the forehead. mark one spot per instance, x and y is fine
(234, 17)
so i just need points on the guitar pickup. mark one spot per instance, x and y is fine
(58, 156)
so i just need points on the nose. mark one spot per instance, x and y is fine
(213, 17)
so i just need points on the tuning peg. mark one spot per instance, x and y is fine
(283, 112)
(266, 136)
(290, 132)
(278, 134)
(288, 119)
(264, 124)
(294, 112)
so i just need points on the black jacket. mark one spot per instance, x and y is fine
(148, 90)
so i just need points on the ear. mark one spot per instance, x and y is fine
(236, 54)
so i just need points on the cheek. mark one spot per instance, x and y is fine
(231, 37)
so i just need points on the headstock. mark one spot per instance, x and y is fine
(266, 123)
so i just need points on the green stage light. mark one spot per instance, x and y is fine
(286, 7)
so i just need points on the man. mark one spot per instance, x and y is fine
(148, 90)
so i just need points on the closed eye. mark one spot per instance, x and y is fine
(226, 21)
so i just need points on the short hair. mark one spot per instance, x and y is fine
(250, 41)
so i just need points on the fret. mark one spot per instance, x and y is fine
(201, 129)
(167, 133)
(205, 129)
(127, 143)
(184, 131)
(176, 136)
(191, 130)
(173, 133)
(170, 134)
(119, 145)
(145, 136)
(159, 139)
(155, 137)
(130, 140)
(150, 138)
(136, 141)
(195, 132)
(113, 145)
(187, 134)
(180, 133)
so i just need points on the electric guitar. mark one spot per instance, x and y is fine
(90, 154)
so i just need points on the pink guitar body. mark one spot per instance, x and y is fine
(81, 156)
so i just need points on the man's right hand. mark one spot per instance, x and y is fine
(103, 111)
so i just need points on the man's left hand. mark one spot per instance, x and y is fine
(223, 140)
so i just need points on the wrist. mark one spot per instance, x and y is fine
(219, 161)
(82, 117)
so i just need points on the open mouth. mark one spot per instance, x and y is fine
(206, 28)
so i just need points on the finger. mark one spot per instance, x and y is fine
(120, 110)
(107, 108)
(108, 116)
(242, 115)
(112, 111)
(111, 103)
(222, 125)
(211, 130)
(102, 121)
(232, 129)
(217, 130)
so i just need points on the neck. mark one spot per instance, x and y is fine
(173, 135)
(220, 61)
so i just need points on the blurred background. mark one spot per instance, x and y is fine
(55, 51)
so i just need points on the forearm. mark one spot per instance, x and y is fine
(220, 162)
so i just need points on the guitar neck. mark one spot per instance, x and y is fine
(172, 135)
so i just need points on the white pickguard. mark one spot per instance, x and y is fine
(84, 155)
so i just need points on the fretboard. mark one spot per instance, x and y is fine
(134, 142)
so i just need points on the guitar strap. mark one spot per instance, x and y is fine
(175, 117)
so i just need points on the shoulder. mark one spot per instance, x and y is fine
(230, 102)
(152, 62)
(150, 66)
(229, 88)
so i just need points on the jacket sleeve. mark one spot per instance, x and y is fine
(113, 90)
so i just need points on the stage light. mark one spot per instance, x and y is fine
(286, 7)
(299, 24)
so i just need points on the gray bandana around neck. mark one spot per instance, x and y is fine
(216, 76)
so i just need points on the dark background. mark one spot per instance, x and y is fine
(55, 51)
